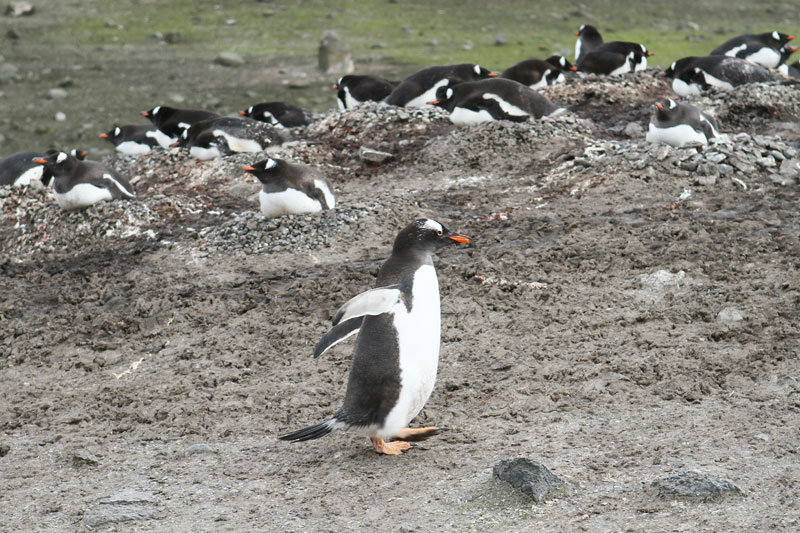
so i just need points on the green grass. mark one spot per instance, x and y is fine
(406, 28)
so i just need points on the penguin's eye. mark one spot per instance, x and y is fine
(439, 232)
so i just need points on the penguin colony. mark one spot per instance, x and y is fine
(397, 324)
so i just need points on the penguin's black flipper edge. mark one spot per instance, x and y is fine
(337, 334)
(312, 432)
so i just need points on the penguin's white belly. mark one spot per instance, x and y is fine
(419, 334)
(82, 195)
(164, 140)
(204, 154)
(766, 57)
(682, 88)
(290, 201)
(32, 173)
(133, 148)
(464, 117)
(678, 136)
(239, 144)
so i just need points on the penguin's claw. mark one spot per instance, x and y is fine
(396, 447)
(417, 434)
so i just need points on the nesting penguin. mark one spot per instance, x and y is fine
(355, 89)
(219, 136)
(278, 114)
(678, 124)
(420, 88)
(171, 122)
(79, 184)
(395, 361)
(537, 73)
(492, 99)
(290, 188)
(764, 49)
(695, 74)
(132, 139)
(20, 170)
(594, 56)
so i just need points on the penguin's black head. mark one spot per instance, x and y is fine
(481, 72)
(426, 235)
(56, 163)
(112, 134)
(780, 38)
(587, 30)
(665, 108)
(670, 72)
(560, 62)
(263, 170)
(444, 97)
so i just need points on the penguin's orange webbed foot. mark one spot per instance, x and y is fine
(396, 447)
(417, 434)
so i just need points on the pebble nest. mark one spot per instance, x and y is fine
(214, 204)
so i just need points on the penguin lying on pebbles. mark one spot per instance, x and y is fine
(538, 73)
(397, 350)
(492, 99)
(693, 75)
(762, 49)
(220, 136)
(171, 122)
(420, 88)
(594, 56)
(20, 170)
(354, 89)
(278, 114)
(79, 184)
(290, 188)
(132, 139)
(678, 124)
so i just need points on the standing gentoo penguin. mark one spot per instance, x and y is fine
(537, 73)
(80, 184)
(589, 39)
(278, 114)
(679, 124)
(492, 99)
(692, 75)
(420, 88)
(132, 139)
(763, 49)
(397, 350)
(354, 89)
(291, 189)
(220, 136)
(171, 122)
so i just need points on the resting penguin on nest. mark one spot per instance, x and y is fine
(397, 350)
(354, 89)
(693, 75)
(537, 73)
(678, 124)
(420, 88)
(78, 184)
(764, 49)
(221, 136)
(290, 189)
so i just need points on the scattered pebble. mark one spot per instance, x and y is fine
(694, 485)
(532, 478)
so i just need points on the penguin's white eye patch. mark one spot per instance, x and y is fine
(776, 36)
(672, 66)
(435, 226)
(117, 131)
(562, 61)
(271, 163)
(156, 110)
(672, 103)
(477, 69)
(61, 157)
(449, 93)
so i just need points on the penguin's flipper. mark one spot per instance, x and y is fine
(372, 302)
(337, 334)
(314, 432)
(110, 182)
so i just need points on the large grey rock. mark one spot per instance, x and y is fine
(730, 314)
(229, 59)
(116, 516)
(370, 155)
(532, 478)
(694, 485)
(334, 55)
(127, 497)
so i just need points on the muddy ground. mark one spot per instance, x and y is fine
(625, 312)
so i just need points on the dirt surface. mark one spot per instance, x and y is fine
(625, 312)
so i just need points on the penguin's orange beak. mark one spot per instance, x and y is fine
(145, 114)
(459, 238)
(574, 69)
(577, 34)
(789, 38)
(103, 135)
(83, 153)
(792, 49)
(175, 144)
(660, 106)
(649, 53)
(335, 86)
(243, 113)
(39, 160)
(493, 74)
(248, 168)
(435, 102)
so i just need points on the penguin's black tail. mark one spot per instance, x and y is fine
(314, 432)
